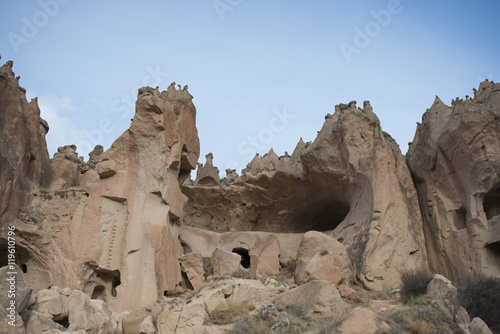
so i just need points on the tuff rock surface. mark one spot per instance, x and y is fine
(351, 183)
(127, 243)
(455, 163)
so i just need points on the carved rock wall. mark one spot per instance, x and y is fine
(351, 183)
(455, 163)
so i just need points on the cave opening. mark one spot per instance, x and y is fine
(245, 256)
(459, 218)
(99, 293)
(491, 203)
(63, 322)
(103, 283)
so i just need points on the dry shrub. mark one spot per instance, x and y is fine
(480, 296)
(414, 283)
(251, 325)
(227, 316)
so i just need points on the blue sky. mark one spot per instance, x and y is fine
(262, 73)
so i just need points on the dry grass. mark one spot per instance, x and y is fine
(230, 315)
(419, 319)
(414, 283)
(177, 291)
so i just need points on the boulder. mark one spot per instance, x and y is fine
(314, 299)
(192, 265)
(51, 304)
(131, 322)
(443, 295)
(265, 258)
(225, 263)
(147, 326)
(22, 290)
(168, 319)
(321, 257)
(191, 319)
(477, 326)
(39, 323)
(348, 293)
(360, 321)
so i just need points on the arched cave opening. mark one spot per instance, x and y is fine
(24, 268)
(99, 293)
(491, 203)
(103, 283)
(493, 257)
(245, 256)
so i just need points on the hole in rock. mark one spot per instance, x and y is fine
(459, 218)
(24, 268)
(493, 258)
(63, 322)
(491, 203)
(104, 282)
(245, 256)
(30, 173)
(99, 293)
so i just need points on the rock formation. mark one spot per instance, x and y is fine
(455, 163)
(127, 243)
(24, 160)
(351, 183)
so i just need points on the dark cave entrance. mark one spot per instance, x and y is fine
(245, 256)
(63, 322)
(491, 203)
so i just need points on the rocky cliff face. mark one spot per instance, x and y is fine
(104, 227)
(351, 182)
(24, 161)
(455, 163)
(128, 228)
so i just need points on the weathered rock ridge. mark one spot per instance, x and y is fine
(455, 163)
(120, 234)
(351, 182)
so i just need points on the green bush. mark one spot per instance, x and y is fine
(480, 296)
(414, 283)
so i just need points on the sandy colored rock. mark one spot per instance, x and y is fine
(265, 258)
(321, 257)
(455, 163)
(207, 175)
(314, 299)
(347, 292)
(225, 263)
(51, 304)
(106, 168)
(360, 321)
(192, 264)
(38, 323)
(443, 294)
(191, 319)
(147, 326)
(22, 289)
(477, 326)
(24, 160)
(168, 319)
(351, 183)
